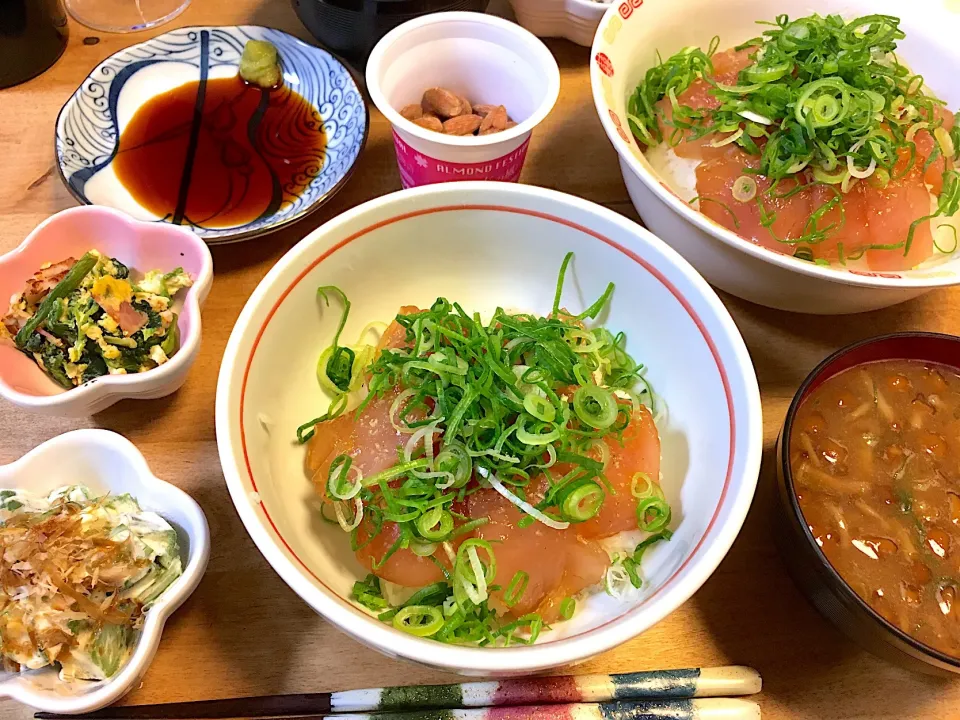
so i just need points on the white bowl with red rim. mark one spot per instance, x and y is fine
(625, 47)
(484, 58)
(487, 245)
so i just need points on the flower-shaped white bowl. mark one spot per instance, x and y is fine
(107, 462)
(631, 34)
(487, 245)
(141, 246)
(575, 20)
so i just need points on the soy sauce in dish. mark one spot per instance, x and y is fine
(875, 457)
(222, 157)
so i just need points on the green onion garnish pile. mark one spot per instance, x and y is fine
(824, 101)
(490, 404)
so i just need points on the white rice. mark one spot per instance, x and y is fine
(680, 174)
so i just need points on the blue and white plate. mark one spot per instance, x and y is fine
(90, 124)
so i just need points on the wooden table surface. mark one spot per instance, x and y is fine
(244, 632)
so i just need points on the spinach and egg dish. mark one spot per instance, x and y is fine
(81, 319)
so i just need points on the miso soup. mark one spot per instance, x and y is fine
(875, 455)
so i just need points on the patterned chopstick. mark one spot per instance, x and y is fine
(683, 684)
(664, 709)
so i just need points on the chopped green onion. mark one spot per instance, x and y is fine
(395, 472)
(595, 406)
(335, 367)
(648, 542)
(616, 581)
(429, 595)
(560, 278)
(669, 78)
(538, 406)
(731, 138)
(338, 486)
(516, 588)
(769, 73)
(533, 622)
(642, 487)
(653, 514)
(497, 485)
(348, 522)
(823, 103)
(469, 527)
(471, 576)
(419, 620)
(368, 593)
(945, 142)
(632, 568)
(422, 549)
(956, 240)
(567, 608)
(624, 573)
(744, 189)
(583, 502)
(880, 178)
(435, 525)
(454, 459)
(837, 178)
(537, 438)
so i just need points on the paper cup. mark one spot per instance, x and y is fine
(486, 59)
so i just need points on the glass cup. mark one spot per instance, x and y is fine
(33, 34)
(122, 16)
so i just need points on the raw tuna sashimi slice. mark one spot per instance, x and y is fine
(926, 143)
(891, 211)
(373, 444)
(403, 567)
(640, 452)
(395, 336)
(726, 67)
(585, 566)
(848, 225)
(715, 181)
(370, 440)
(558, 563)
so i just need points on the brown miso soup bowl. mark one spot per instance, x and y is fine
(807, 564)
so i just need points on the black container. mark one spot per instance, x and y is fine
(808, 566)
(351, 28)
(33, 34)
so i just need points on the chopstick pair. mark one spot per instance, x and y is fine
(663, 709)
(685, 694)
